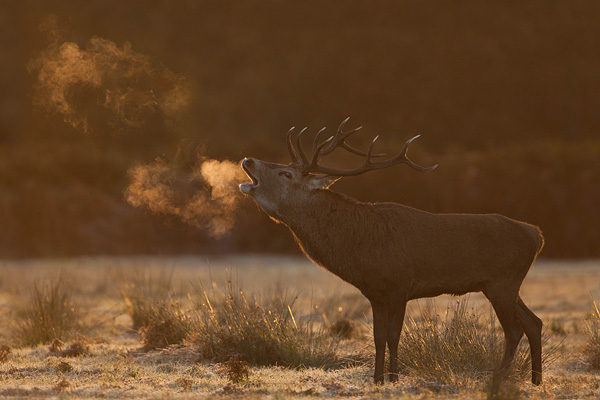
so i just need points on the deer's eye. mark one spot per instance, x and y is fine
(286, 174)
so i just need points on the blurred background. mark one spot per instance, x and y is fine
(505, 95)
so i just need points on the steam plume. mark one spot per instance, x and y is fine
(104, 87)
(205, 196)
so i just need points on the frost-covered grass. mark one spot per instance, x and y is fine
(255, 327)
(592, 347)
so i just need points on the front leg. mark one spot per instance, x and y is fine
(380, 315)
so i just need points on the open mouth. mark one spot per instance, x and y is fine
(248, 187)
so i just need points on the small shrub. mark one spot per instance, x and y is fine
(167, 327)
(592, 347)
(261, 333)
(456, 347)
(235, 369)
(345, 312)
(55, 346)
(50, 314)
(75, 349)
(155, 312)
(61, 386)
(4, 352)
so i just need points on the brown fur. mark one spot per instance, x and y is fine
(393, 253)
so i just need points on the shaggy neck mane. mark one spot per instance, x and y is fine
(324, 205)
(317, 223)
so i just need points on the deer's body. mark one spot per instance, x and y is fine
(394, 253)
(384, 248)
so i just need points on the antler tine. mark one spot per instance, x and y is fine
(370, 150)
(408, 142)
(367, 164)
(317, 152)
(406, 160)
(339, 137)
(339, 141)
(290, 146)
(316, 139)
(298, 147)
(346, 135)
(341, 127)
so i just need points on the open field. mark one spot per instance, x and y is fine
(114, 363)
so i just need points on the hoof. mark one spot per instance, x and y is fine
(536, 378)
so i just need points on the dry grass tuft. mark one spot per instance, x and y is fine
(502, 390)
(455, 348)
(260, 332)
(557, 327)
(75, 349)
(55, 346)
(4, 353)
(235, 369)
(50, 314)
(61, 386)
(145, 295)
(159, 334)
(154, 310)
(592, 347)
(186, 384)
(64, 367)
(345, 328)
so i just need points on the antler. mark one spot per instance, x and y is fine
(338, 140)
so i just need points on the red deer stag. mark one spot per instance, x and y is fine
(393, 253)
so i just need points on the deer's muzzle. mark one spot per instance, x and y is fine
(247, 165)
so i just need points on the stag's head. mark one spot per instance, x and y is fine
(277, 187)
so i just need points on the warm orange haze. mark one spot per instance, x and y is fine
(506, 97)
(139, 257)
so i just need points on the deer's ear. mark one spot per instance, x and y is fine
(320, 181)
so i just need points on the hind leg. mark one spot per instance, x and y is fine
(533, 329)
(505, 305)
(380, 323)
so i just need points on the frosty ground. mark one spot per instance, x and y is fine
(116, 364)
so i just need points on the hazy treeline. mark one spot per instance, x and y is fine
(504, 95)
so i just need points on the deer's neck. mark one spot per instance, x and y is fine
(327, 225)
(322, 212)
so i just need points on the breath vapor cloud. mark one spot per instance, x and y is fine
(205, 196)
(101, 88)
